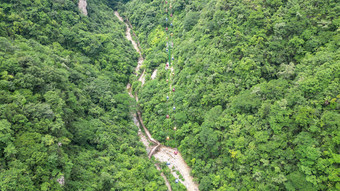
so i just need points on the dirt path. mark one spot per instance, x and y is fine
(164, 154)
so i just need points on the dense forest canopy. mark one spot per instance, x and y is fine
(257, 94)
(64, 111)
(257, 90)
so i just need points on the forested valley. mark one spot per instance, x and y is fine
(257, 89)
(257, 94)
(64, 112)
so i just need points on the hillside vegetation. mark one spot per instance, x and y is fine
(64, 110)
(257, 90)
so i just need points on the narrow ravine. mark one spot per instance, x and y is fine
(162, 153)
(140, 59)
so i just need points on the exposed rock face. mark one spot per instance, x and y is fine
(61, 181)
(154, 74)
(82, 6)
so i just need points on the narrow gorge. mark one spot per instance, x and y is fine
(160, 152)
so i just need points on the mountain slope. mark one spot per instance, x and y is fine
(257, 90)
(64, 111)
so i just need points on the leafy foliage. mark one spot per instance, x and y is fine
(64, 110)
(257, 90)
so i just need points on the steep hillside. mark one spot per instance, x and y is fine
(257, 90)
(64, 112)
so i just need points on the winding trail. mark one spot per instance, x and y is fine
(153, 147)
